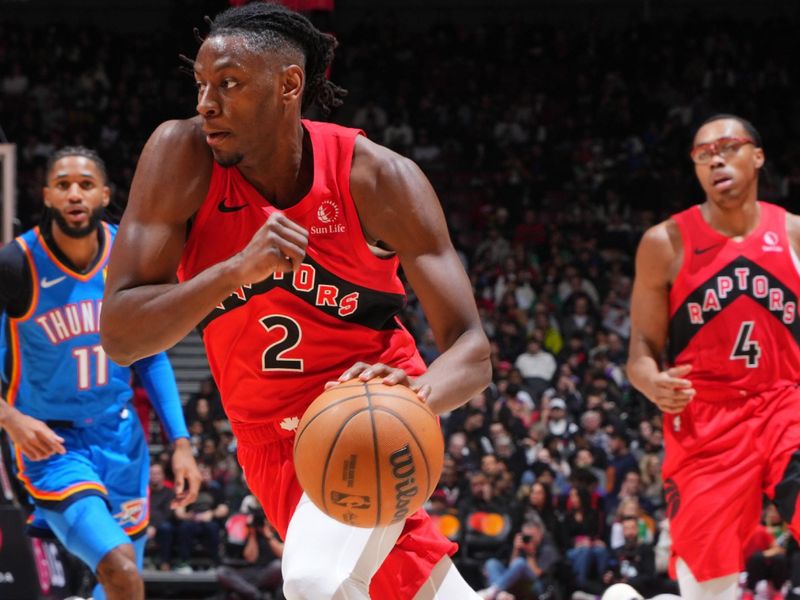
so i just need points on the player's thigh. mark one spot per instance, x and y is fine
(713, 506)
(316, 543)
(122, 460)
(86, 528)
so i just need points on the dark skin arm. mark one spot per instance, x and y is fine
(658, 260)
(398, 207)
(169, 186)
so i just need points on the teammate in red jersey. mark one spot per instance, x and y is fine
(287, 235)
(716, 289)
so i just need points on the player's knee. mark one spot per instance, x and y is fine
(321, 586)
(117, 570)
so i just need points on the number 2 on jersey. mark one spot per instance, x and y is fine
(745, 348)
(273, 358)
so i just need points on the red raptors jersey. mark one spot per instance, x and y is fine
(273, 344)
(733, 307)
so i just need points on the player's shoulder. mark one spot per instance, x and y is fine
(181, 136)
(661, 243)
(378, 166)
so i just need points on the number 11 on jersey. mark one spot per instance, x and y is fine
(83, 356)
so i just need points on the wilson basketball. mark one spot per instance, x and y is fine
(368, 454)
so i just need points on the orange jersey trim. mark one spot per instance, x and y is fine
(34, 282)
(105, 251)
(54, 496)
(16, 365)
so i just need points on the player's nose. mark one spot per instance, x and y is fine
(207, 105)
(74, 193)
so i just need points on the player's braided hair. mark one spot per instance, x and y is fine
(78, 151)
(271, 26)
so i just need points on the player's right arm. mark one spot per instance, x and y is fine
(145, 310)
(32, 436)
(657, 261)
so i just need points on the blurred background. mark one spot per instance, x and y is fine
(554, 132)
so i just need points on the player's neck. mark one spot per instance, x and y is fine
(736, 221)
(283, 176)
(81, 252)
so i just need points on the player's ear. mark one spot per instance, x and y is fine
(758, 157)
(106, 195)
(293, 83)
(45, 194)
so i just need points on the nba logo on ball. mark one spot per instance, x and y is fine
(368, 454)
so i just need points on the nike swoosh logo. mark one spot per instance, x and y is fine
(46, 283)
(707, 248)
(225, 208)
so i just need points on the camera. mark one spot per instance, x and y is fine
(258, 519)
(526, 538)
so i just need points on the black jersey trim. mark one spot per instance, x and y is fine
(682, 330)
(375, 309)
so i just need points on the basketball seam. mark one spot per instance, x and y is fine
(332, 449)
(376, 455)
(323, 411)
(416, 440)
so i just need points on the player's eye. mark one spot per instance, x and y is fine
(87, 185)
(229, 83)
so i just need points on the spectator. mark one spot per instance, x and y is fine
(260, 575)
(587, 551)
(533, 558)
(200, 521)
(161, 528)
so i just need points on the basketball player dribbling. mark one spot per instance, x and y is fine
(287, 235)
(716, 286)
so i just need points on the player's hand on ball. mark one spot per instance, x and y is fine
(389, 376)
(33, 437)
(670, 391)
(279, 246)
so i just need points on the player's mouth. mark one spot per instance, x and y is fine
(77, 215)
(215, 138)
(722, 181)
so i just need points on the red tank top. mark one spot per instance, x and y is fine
(733, 307)
(273, 344)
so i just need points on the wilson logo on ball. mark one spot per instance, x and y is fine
(405, 490)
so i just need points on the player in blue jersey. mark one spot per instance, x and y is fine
(78, 448)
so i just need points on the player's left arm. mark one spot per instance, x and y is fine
(158, 379)
(793, 231)
(399, 208)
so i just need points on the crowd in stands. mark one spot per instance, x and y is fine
(552, 149)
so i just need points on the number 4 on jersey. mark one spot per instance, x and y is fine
(745, 348)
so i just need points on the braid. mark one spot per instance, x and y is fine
(78, 151)
(274, 27)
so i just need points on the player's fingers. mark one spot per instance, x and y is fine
(353, 371)
(395, 377)
(34, 450)
(195, 480)
(180, 480)
(50, 441)
(376, 370)
(280, 219)
(679, 371)
(423, 391)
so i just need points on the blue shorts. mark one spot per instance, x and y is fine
(110, 459)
